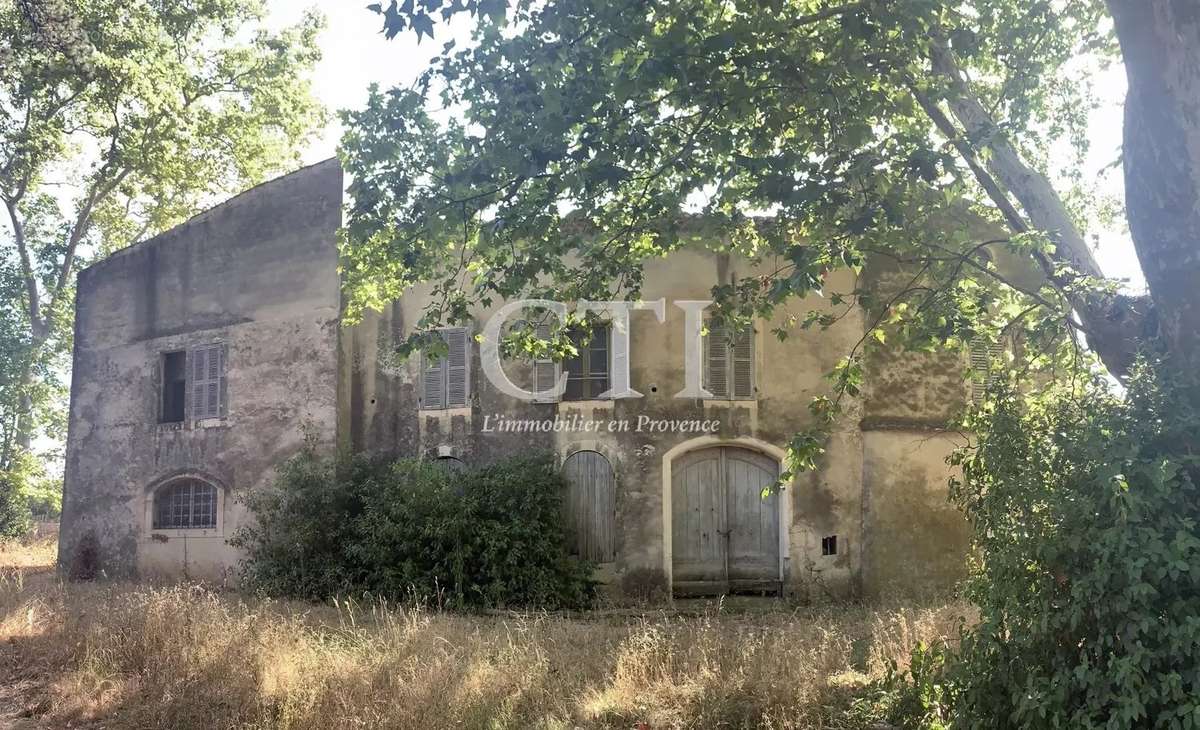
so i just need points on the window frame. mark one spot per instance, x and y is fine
(587, 375)
(163, 385)
(191, 529)
(215, 381)
(585, 355)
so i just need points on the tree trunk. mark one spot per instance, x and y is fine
(1160, 42)
(1114, 325)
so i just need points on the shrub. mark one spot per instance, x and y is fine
(491, 536)
(14, 505)
(916, 698)
(1087, 527)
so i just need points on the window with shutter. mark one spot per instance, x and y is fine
(446, 378)
(458, 362)
(742, 365)
(983, 355)
(587, 372)
(206, 386)
(174, 387)
(545, 371)
(729, 363)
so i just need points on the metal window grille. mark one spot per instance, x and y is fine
(188, 504)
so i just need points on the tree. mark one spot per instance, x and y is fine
(897, 129)
(118, 120)
(1160, 44)
(864, 128)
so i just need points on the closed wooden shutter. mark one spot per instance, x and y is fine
(433, 381)
(206, 386)
(716, 355)
(458, 364)
(729, 366)
(545, 370)
(983, 354)
(742, 364)
(446, 380)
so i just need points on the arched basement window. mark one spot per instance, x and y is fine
(591, 506)
(187, 504)
(451, 464)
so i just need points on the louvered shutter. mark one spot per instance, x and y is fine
(598, 361)
(545, 371)
(458, 363)
(716, 355)
(433, 381)
(983, 354)
(207, 372)
(742, 364)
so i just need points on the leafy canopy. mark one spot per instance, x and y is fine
(573, 140)
(118, 120)
(592, 128)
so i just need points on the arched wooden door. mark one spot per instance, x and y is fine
(724, 532)
(591, 506)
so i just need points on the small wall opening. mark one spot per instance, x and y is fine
(829, 545)
(174, 385)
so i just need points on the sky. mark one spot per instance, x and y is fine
(355, 55)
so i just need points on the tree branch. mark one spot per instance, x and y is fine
(1114, 324)
(37, 324)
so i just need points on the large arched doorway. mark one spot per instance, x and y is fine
(724, 521)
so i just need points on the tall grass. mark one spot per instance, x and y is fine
(185, 656)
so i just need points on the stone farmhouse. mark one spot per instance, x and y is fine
(206, 355)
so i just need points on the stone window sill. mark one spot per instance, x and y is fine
(193, 425)
(455, 411)
(165, 535)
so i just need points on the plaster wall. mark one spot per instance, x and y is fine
(256, 274)
(381, 412)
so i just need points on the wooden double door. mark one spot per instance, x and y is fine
(724, 522)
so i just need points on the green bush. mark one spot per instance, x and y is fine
(916, 698)
(15, 518)
(491, 536)
(1087, 526)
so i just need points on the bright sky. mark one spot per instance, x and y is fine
(356, 55)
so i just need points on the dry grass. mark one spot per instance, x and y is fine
(138, 656)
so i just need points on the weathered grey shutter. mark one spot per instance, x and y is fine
(983, 354)
(599, 360)
(215, 367)
(716, 355)
(207, 371)
(433, 381)
(458, 363)
(742, 363)
(620, 358)
(545, 371)
(223, 411)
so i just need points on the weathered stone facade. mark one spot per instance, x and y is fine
(258, 276)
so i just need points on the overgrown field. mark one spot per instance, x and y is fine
(140, 656)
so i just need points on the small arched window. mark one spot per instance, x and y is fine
(186, 504)
(451, 464)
